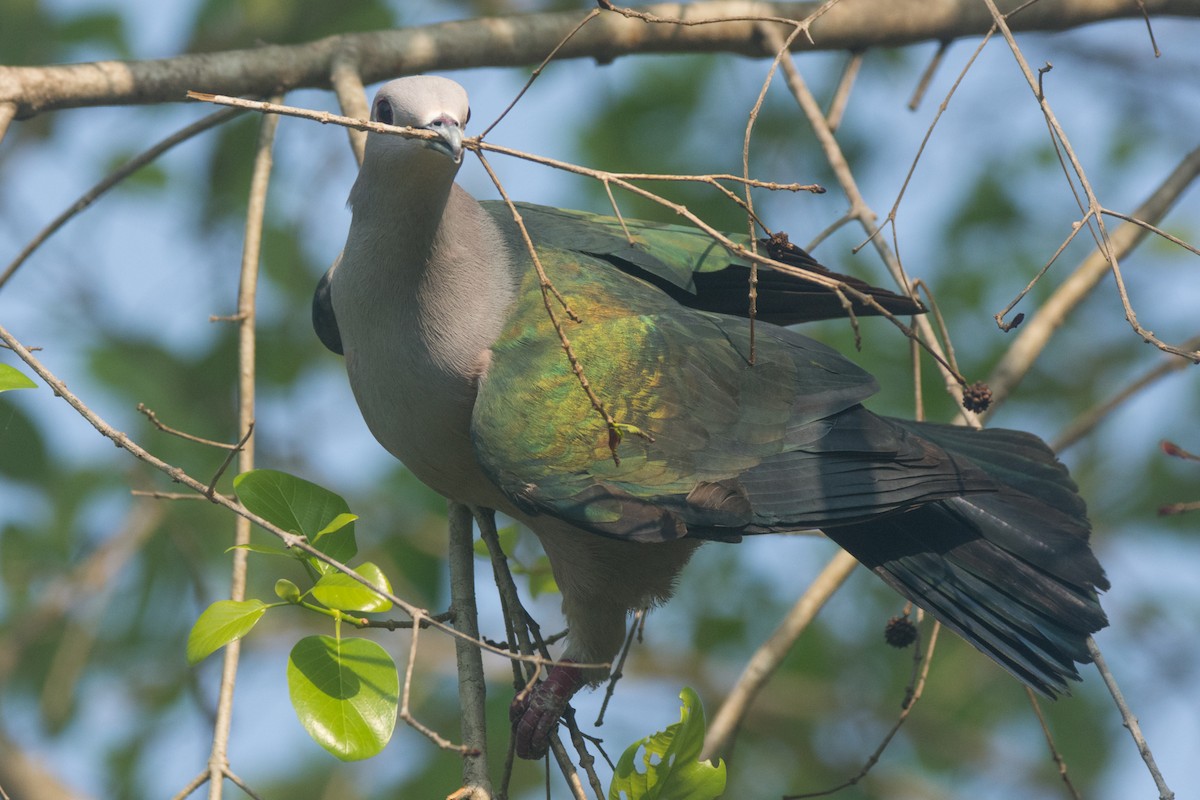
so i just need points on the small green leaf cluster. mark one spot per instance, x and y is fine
(671, 759)
(345, 690)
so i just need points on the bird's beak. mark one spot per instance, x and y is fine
(450, 137)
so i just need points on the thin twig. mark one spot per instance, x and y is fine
(241, 784)
(758, 670)
(1149, 28)
(918, 94)
(860, 210)
(191, 786)
(1035, 334)
(218, 759)
(176, 495)
(1129, 720)
(841, 95)
(1002, 313)
(616, 430)
(165, 428)
(406, 714)
(1092, 207)
(618, 668)
(244, 464)
(1084, 424)
(749, 201)
(351, 94)
(112, 179)
(1054, 753)
(537, 71)
(916, 687)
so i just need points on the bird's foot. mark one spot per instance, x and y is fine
(535, 713)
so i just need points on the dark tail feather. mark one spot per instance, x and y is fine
(1010, 571)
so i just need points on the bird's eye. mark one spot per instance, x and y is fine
(383, 111)
(467, 118)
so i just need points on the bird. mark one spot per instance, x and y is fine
(460, 372)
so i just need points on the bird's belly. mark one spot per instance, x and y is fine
(424, 420)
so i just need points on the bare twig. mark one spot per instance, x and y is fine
(165, 428)
(1149, 28)
(351, 94)
(537, 71)
(918, 94)
(841, 95)
(218, 759)
(1129, 720)
(111, 180)
(405, 692)
(758, 670)
(1087, 421)
(862, 212)
(236, 452)
(1054, 753)
(1036, 332)
(916, 687)
(1092, 207)
(617, 671)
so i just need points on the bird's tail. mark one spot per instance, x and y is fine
(1010, 570)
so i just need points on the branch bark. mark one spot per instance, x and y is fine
(729, 26)
(472, 689)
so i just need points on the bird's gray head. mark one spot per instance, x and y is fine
(421, 101)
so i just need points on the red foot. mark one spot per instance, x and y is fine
(536, 713)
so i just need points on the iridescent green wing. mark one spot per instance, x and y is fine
(705, 427)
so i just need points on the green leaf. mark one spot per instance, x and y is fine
(338, 522)
(12, 378)
(671, 759)
(300, 506)
(346, 694)
(221, 623)
(339, 590)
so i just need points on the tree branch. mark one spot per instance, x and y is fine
(218, 760)
(525, 39)
(472, 689)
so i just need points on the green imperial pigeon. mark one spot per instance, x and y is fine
(460, 374)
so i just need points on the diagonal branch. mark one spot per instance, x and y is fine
(725, 723)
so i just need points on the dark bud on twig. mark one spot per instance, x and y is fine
(900, 632)
(1017, 320)
(977, 397)
(778, 245)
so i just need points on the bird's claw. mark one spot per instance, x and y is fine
(535, 713)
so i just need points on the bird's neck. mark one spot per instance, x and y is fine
(425, 263)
